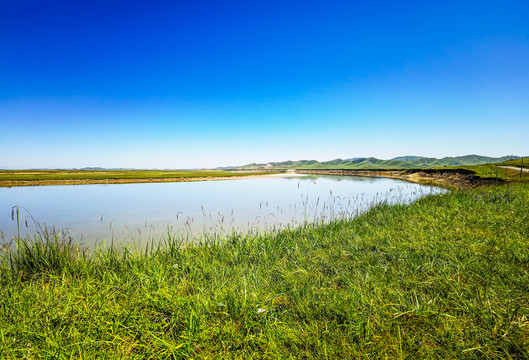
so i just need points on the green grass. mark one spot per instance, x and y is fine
(445, 277)
(518, 163)
(32, 175)
(496, 170)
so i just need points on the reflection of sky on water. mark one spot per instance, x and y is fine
(142, 211)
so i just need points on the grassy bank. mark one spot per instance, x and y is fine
(444, 277)
(498, 170)
(51, 177)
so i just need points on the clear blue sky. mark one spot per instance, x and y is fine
(187, 84)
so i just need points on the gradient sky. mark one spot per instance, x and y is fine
(188, 84)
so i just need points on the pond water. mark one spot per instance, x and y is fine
(94, 214)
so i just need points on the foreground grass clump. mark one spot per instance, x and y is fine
(444, 277)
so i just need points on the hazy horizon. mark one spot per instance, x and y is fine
(174, 85)
(238, 165)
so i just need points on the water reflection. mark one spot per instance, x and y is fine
(142, 212)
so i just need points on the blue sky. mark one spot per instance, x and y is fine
(187, 84)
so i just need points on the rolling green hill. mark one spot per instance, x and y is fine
(401, 162)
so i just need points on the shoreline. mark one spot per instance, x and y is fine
(19, 183)
(447, 178)
(148, 301)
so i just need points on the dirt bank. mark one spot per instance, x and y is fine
(448, 178)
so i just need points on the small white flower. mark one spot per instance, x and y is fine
(260, 310)
(175, 265)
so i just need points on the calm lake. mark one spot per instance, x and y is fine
(94, 214)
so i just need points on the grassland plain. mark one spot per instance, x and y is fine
(444, 277)
(73, 177)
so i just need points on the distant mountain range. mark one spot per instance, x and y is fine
(401, 162)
